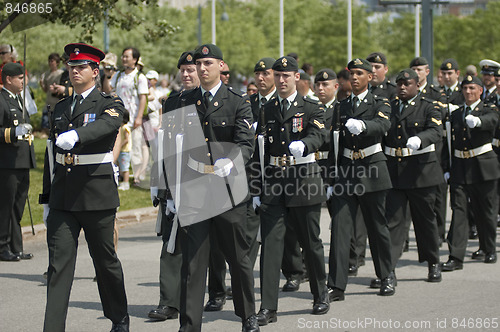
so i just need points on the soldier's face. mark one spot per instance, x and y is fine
(359, 80)
(450, 77)
(264, 81)
(488, 80)
(472, 93)
(82, 77)
(286, 82)
(379, 71)
(209, 71)
(422, 72)
(189, 77)
(407, 89)
(497, 81)
(325, 90)
(14, 83)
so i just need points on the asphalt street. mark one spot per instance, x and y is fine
(466, 300)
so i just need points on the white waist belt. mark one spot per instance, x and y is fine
(84, 159)
(321, 155)
(405, 152)
(362, 153)
(291, 160)
(496, 142)
(200, 167)
(473, 152)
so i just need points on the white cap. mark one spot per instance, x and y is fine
(152, 74)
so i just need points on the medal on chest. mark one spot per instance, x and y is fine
(297, 125)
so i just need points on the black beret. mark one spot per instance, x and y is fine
(419, 61)
(186, 59)
(305, 76)
(377, 57)
(325, 74)
(81, 54)
(12, 69)
(469, 79)
(361, 64)
(407, 74)
(264, 64)
(449, 64)
(207, 51)
(286, 63)
(293, 55)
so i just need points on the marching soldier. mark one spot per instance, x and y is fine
(380, 85)
(291, 189)
(362, 181)
(80, 191)
(488, 70)
(17, 156)
(415, 171)
(473, 175)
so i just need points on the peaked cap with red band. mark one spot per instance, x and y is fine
(81, 54)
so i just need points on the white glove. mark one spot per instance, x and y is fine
(472, 121)
(256, 202)
(297, 148)
(67, 140)
(154, 193)
(46, 210)
(355, 126)
(446, 176)
(223, 166)
(170, 207)
(23, 129)
(452, 107)
(329, 192)
(414, 143)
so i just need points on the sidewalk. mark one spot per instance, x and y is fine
(466, 300)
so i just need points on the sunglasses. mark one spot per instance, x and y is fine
(225, 73)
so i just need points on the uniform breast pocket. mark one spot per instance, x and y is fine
(60, 125)
(415, 126)
(223, 127)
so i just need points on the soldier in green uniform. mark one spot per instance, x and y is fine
(380, 85)
(17, 156)
(362, 180)
(415, 171)
(473, 174)
(80, 191)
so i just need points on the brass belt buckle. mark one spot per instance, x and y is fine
(68, 159)
(356, 155)
(208, 169)
(283, 161)
(466, 154)
(316, 155)
(399, 152)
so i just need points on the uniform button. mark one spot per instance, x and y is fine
(282, 129)
(464, 138)
(223, 123)
(399, 137)
(70, 125)
(399, 159)
(354, 146)
(352, 135)
(206, 123)
(465, 129)
(284, 168)
(416, 123)
(465, 149)
(206, 139)
(68, 170)
(399, 126)
(269, 129)
(283, 142)
(208, 154)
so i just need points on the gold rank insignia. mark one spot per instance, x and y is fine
(248, 123)
(112, 112)
(358, 62)
(319, 124)
(198, 102)
(436, 121)
(284, 62)
(189, 58)
(382, 115)
(262, 64)
(448, 65)
(325, 75)
(298, 115)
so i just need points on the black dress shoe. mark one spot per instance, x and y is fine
(353, 270)
(335, 294)
(250, 324)
(388, 285)
(163, 312)
(215, 304)
(473, 232)
(23, 255)
(8, 256)
(490, 258)
(266, 316)
(321, 305)
(434, 273)
(451, 265)
(478, 254)
(122, 326)
(291, 285)
(375, 283)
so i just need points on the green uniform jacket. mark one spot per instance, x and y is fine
(386, 89)
(84, 187)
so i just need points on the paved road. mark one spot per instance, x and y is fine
(466, 300)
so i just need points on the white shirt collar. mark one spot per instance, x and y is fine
(10, 92)
(453, 87)
(212, 91)
(361, 96)
(268, 96)
(473, 106)
(290, 98)
(330, 102)
(423, 87)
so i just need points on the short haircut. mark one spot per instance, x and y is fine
(135, 53)
(55, 56)
(344, 74)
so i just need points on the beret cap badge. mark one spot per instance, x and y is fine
(262, 64)
(189, 58)
(205, 50)
(325, 75)
(77, 51)
(284, 61)
(448, 65)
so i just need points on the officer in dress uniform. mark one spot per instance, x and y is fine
(473, 174)
(17, 156)
(80, 191)
(415, 171)
(292, 189)
(380, 85)
(488, 70)
(362, 180)
(225, 116)
(495, 99)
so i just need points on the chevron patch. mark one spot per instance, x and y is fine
(112, 112)
(436, 121)
(319, 124)
(382, 115)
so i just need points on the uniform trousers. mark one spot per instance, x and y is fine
(421, 202)
(373, 209)
(357, 251)
(483, 200)
(15, 184)
(230, 227)
(304, 221)
(440, 208)
(63, 229)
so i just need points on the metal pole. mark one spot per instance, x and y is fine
(213, 23)
(106, 33)
(417, 30)
(282, 30)
(349, 30)
(199, 24)
(427, 43)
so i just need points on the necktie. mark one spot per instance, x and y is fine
(355, 104)
(206, 98)
(19, 101)
(263, 100)
(467, 112)
(448, 92)
(78, 100)
(403, 106)
(284, 106)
